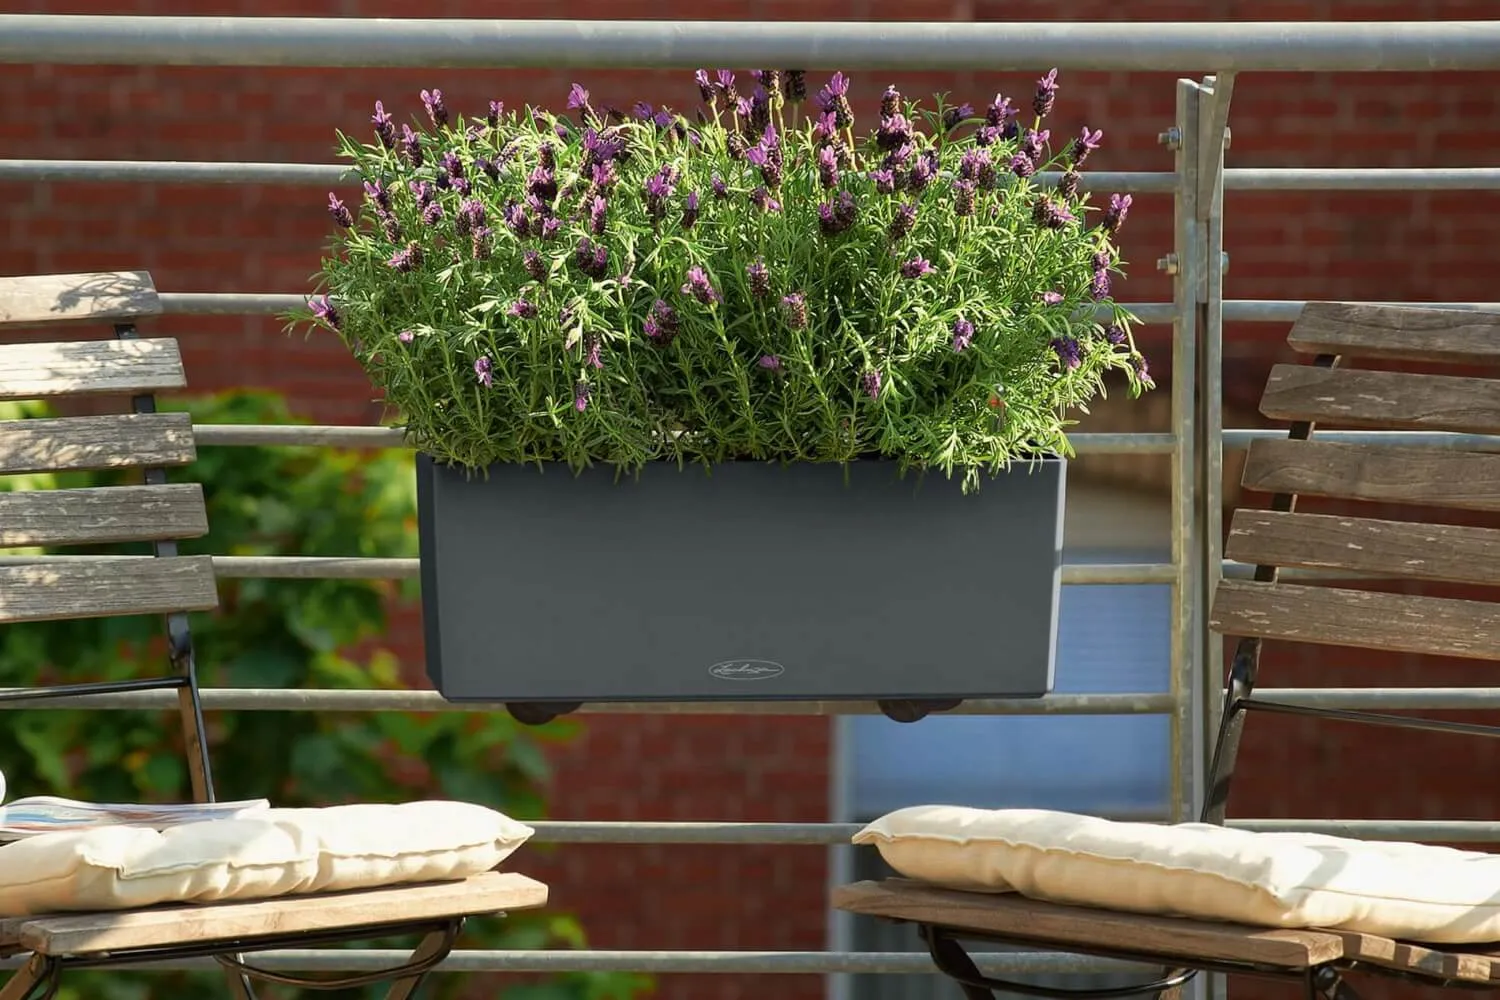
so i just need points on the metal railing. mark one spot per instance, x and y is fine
(1197, 138)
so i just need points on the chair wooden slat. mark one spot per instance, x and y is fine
(1393, 400)
(62, 587)
(102, 514)
(1017, 918)
(91, 933)
(1400, 623)
(37, 371)
(111, 441)
(1406, 956)
(1382, 473)
(1397, 333)
(1445, 552)
(90, 297)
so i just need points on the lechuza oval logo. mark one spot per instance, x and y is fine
(746, 670)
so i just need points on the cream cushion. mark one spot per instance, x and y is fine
(1414, 892)
(277, 852)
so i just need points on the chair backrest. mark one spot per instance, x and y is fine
(1358, 610)
(151, 511)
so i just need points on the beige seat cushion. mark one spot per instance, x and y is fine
(276, 853)
(1414, 892)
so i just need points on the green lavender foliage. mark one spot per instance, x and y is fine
(498, 342)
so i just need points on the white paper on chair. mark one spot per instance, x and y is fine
(40, 814)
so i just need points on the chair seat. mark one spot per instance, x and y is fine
(175, 925)
(1167, 940)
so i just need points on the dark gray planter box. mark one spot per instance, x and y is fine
(753, 582)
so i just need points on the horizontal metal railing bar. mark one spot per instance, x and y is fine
(1235, 310)
(1138, 181)
(433, 43)
(1426, 830)
(807, 963)
(341, 700)
(409, 568)
(332, 436)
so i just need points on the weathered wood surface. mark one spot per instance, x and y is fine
(1404, 956)
(102, 514)
(65, 588)
(1397, 333)
(36, 371)
(1026, 920)
(104, 442)
(1391, 400)
(1367, 619)
(1383, 473)
(1446, 552)
(92, 297)
(492, 892)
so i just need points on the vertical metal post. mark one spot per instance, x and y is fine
(1185, 266)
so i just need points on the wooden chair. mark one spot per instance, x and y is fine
(1338, 613)
(171, 585)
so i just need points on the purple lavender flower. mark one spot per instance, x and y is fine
(659, 187)
(1052, 298)
(487, 167)
(705, 86)
(954, 117)
(522, 309)
(897, 158)
(720, 189)
(1068, 351)
(436, 109)
(870, 382)
(902, 222)
(432, 214)
(834, 97)
(770, 172)
(916, 267)
(825, 127)
(643, 111)
(411, 146)
(770, 362)
(837, 216)
(795, 305)
(479, 242)
(378, 195)
(796, 85)
(550, 226)
(593, 346)
(484, 371)
(600, 147)
(324, 309)
(408, 257)
(452, 164)
(1141, 369)
(922, 171)
(422, 192)
(760, 278)
(661, 323)
(516, 219)
(1114, 216)
(828, 167)
(690, 210)
(1080, 148)
(759, 110)
(986, 135)
(600, 262)
(496, 112)
(1033, 144)
(1099, 285)
(761, 199)
(1115, 334)
(535, 267)
(1000, 112)
(699, 287)
(406, 336)
(1021, 165)
(725, 80)
(461, 185)
(604, 176)
(442, 182)
(472, 214)
(598, 207)
(385, 130)
(1051, 214)
(391, 227)
(890, 102)
(885, 181)
(580, 395)
(963, 198)
(1046, 94)
(963, 334)
(542, 184)
(340, 212)
(1067, 185)
(578, 100)
(893, 133)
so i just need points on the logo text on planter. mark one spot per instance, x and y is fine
(746, 670)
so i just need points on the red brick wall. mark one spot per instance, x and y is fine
(249, 238)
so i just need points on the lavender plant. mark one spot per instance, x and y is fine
(764, 281)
